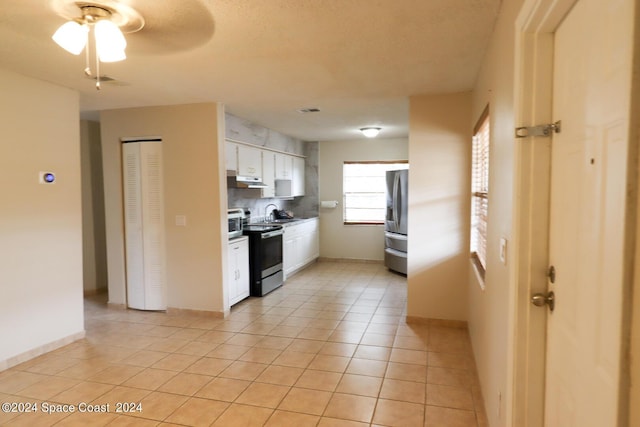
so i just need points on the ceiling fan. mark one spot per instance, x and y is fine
(99, 26)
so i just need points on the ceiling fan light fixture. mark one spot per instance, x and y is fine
(72, 37)
(107, 54)
(110, 42)
(97, 27)
(370, 132)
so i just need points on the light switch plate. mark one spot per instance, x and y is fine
(503, 250)
(181, 220)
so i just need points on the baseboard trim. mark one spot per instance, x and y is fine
(445, 323)
(93, 292)
(116, 306)
(203, 313)
(173, 311)
(40, 350)
(351, 260)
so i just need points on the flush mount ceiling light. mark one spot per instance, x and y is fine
(370, 132)
(97, 26)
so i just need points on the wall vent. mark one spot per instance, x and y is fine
(103, 78)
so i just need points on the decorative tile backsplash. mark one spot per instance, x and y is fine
(246, 131)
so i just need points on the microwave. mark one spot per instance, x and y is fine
(235, 217)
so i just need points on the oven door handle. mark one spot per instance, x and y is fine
(271, 234)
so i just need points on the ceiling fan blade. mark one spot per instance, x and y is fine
(171, 26)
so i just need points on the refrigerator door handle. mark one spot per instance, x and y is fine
(396, 184)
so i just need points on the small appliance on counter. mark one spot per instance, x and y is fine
(236, 218)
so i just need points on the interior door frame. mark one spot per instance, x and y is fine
(535, 27)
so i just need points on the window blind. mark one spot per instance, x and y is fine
(480, 191)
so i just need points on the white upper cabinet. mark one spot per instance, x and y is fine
(231, 156)
(249, 161)
(269, 173)
(298, 177)
(283, 174)
(284, 166)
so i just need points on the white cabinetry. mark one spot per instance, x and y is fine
(249, 161)
(284, 174)
(289, 175)
(301, 245)
(297, 180)
(142, 177)
(269, 173)
(231, 156)
(238, 259)
(284, 166)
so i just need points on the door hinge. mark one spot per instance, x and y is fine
(540, 130)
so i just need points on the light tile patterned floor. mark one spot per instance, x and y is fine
(329, 348)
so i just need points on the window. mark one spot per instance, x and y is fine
(364, 187)
(480, 192)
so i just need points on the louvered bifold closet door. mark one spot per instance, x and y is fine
(144, 224)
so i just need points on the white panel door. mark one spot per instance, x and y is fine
(588, 181)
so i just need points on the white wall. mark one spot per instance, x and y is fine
(93, 239)
(439, 198)
(361, 242)
(489, 309)
(194, 186)
(41, 304)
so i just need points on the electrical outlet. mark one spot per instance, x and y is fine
(181, 220)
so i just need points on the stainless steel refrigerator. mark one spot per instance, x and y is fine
(395, 224)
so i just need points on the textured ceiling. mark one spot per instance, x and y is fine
(358, 61)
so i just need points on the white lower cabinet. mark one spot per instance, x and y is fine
(238, 259)
(301, 245)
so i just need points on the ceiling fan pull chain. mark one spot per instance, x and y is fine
(97, 72)
(87, 51)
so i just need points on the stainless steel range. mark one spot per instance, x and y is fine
(265, 258)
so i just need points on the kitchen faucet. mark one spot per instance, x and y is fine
(266, 217)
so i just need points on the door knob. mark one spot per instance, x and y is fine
(539, 300)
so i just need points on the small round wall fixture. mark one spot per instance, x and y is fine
(47, 178)
(370, 132)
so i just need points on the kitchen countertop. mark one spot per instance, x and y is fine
(284, 223)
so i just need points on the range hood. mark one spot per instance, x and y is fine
(238, 181)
